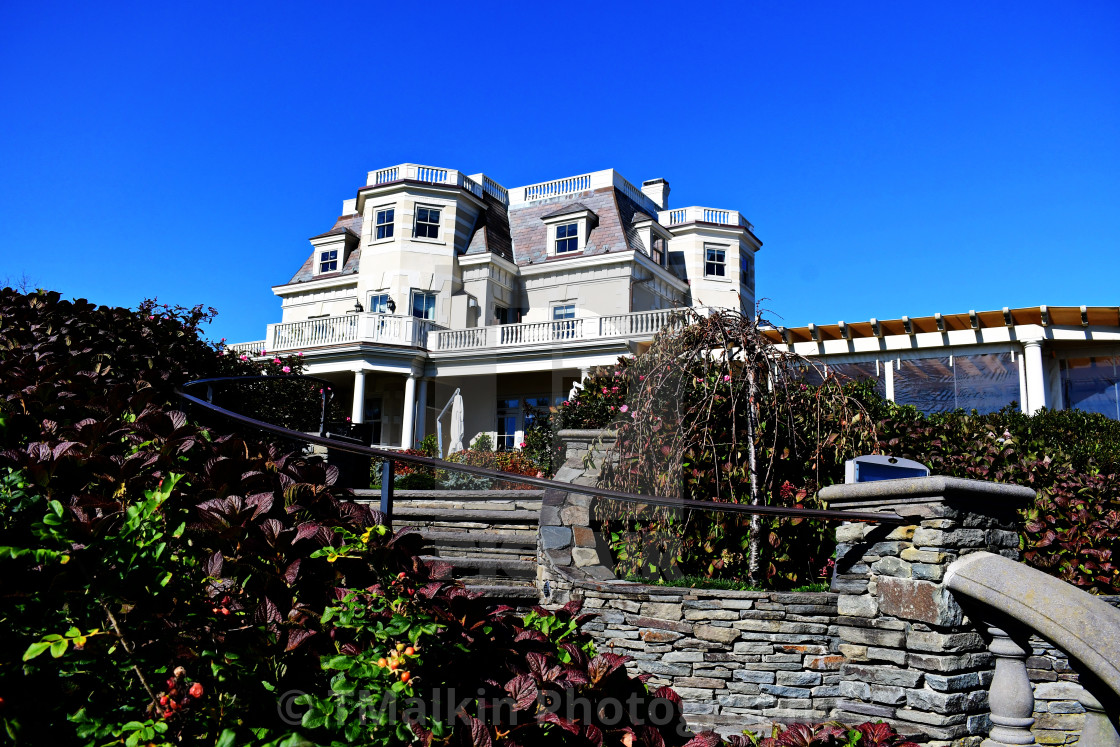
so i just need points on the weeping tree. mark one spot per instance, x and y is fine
(714, 411)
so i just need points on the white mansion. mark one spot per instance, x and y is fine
(433, 282)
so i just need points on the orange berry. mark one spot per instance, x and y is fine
(410, 651)
(405, 676)
(382, 663)
(394, 664)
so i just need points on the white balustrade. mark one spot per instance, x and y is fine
(496, 190)
(408, 331)
(385, 175)
(431, 174)
(471, 185)
(331, 330)
(695, 214)
(249, 348)
(557, 187)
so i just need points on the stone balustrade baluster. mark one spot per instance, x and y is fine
(1010, 696)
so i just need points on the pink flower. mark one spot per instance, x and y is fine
(223, 339)
(624, 408)
(604, 390)
(727, 377)
(565, 402)
(641, 378)
(320, 391)
(244, 357)
(634, 415)
(614, 389)
(275, 360)
(300, 354)
(523, 444)
(612, 408)
(347, 418)
(286, 369)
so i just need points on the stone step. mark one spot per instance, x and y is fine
(488, 568)
(409, 515)
(468, 495)
(491, 543)
(507, 592)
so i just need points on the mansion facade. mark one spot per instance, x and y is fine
(433, 284)
(435, 288)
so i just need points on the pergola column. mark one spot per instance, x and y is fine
(583, 374)
(1037, 394)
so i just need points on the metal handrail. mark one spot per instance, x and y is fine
(653, 500)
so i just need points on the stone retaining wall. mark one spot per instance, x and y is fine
(889, 643)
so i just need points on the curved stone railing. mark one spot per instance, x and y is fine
(1015, 599)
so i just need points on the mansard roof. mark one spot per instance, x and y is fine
(613, 233)
(491, 231)
(344, 224)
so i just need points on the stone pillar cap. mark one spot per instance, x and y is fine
(893, 495)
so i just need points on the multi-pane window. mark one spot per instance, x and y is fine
(567, 238)
(508, 410)
(563, 321)
(384, 222)
(746, 269)
(715, 261)
(328, 261)
(379, 303)
(657, 251)
(427, 223)
(423, 305)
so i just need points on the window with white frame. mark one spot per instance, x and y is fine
(427, 223)
(657, 251)
(328, 261)
(384, 223)
(715, 261)
(508, 410)
(379, 303)
(563, 321)
(423, 305)
(567, 238)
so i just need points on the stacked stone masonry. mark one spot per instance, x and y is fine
(889, 642)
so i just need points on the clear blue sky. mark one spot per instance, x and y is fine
(895, 157)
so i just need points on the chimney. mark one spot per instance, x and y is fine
(658, 191)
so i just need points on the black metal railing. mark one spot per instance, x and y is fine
(389, 457)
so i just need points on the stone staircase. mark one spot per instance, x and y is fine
(488, 536)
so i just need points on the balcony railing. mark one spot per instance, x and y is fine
(639, 325)
(430, 174)
(408, 331)
(382, 329)
(250, 348)
(696, 214)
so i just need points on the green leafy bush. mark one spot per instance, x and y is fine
(682, 422)
(173, 583)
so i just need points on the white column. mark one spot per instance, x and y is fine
(357, 412)
(1037, 393)
(888, 380)
(407, 419)
(422, 410)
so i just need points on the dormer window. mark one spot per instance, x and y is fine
(657, 251)
(567, 238)
(328, 261)
(569, 229)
